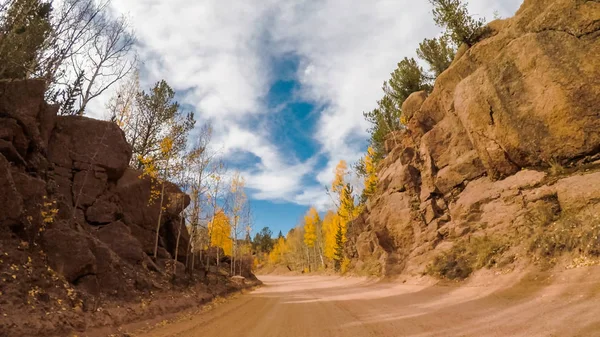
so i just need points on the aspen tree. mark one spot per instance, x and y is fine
(220, 228)
(238, 202)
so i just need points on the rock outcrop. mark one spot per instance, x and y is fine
(67, 186)
(513, 125)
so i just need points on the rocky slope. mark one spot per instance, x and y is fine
(77, 225)
(505, 147)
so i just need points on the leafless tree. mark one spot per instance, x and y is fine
(75, 25)
(216, 201)
(200, 166)
(108, 59)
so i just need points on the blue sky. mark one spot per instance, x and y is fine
(284, 83)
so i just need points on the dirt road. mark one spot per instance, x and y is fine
(295, 306)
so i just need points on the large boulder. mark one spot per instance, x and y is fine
(103, 211)
(141, 207)
(88, 185)
(413, 103)
(577, 192)
(69, 252)
(89, 141)
(117, 236)
(519, 116)
(146, 237)
(13, 133)
(23, 101)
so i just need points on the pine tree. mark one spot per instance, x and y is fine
(336, 226)
(25, 29)
(339, 248)
(263, 241)
(409, 77)
(438, 53)
(347, 210)
(70, 95)
(158, 116)
(453, 15)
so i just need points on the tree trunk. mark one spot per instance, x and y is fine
(177, 242)
(162, 197)
(200, 257)
(321, 256)
(308, 258)
(207, 261)
(193, 260)
(231, 271)
(188, 249)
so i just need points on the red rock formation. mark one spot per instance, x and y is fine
(475, 155)
(105, 227)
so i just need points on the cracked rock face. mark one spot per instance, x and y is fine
(104, 226)
(526, 97)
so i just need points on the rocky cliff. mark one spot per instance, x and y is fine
(77, 225)
(68, 188)
(505, 148)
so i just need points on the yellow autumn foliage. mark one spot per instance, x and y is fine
(370, 180)
(166, 145)
(311, 221)
(331, 222)
(340, 173)
(220, 232)
(279, 249)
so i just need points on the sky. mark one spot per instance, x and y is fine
(283, 82)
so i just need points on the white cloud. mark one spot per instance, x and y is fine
(349, 51)
(218, 52)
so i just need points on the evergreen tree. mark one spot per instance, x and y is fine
(24, 31)
(70, 94)
(339, 248)
(461, 27)
(263, 241)
(409, 77)
(438, 53)
(158, 116)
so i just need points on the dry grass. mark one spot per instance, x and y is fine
(467, 256)
(556, 168)
(571, 233)
(369, 268)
